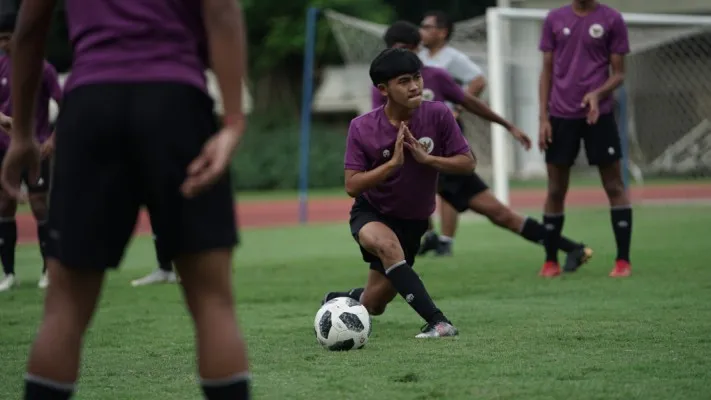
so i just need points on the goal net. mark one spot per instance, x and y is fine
(666, 112)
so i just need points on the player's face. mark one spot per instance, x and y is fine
(405, 90)
(430, 33)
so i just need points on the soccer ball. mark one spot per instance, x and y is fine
(342, 324)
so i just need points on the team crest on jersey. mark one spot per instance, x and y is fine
(427, 94)
(566, 31)
(428, 143)
(596, 31)
(386, 153)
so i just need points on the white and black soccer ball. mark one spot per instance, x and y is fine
(342, 324)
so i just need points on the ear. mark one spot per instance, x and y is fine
(383, 89)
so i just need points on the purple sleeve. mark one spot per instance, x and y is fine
(450, 90)
(377, 98)
(52, 81)
(453, 142)
(547, 43)
(355, 158)
(618, 40)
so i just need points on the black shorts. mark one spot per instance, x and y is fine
(121, 146)
(42, 184)
(602, 141)
(458, 190)
(408, 232)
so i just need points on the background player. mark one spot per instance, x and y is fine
(395, 189)
(38, 189)
(119, 145)
(583, 47)
(436, 30)
(469, 192)
(163, 274)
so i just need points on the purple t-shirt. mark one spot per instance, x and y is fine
(137, 41)
(409, 193)
(438, 86)
(581, 47)
(49, 89)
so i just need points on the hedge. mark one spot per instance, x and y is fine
(268, 157)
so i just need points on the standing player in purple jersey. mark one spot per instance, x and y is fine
(136, 127)
(469, 192)
(393, 156)
(583, 45)
(38, 189)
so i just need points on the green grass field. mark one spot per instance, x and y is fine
(583, 336)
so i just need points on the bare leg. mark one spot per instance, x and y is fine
(38, 204)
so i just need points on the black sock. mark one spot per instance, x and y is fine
(411, 288)
(622, 226)
(232, 389)
(42, 389)
(164, 262)
(353, 294)
(533, 231)
(43, 236)
(8, 241)
(553, 225)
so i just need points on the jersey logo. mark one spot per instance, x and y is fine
(596, 31)
(3, 81)
(427, 94)
(386, 153)
(428, 143)
(566, 31)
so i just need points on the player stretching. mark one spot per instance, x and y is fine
(581, 43)
(49, 90)
(469, 192)
(394, 188)
(436, 30)
(136, 128)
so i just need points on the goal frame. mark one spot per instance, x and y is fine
(498, 84)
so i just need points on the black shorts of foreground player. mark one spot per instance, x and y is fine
(469, 192)
(393, 157)
(136, 128)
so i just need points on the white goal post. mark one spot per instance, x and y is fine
(668, 86)
(667, 107)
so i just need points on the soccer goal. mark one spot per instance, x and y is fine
(664, 110)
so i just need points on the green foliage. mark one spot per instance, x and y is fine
(268, 157)
(277, 32)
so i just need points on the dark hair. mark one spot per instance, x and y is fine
(443, 21)
(7, 22)
(391, 63)
(403, 32)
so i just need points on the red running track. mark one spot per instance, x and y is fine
(254, 214)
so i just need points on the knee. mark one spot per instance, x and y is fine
(557, 193)
(374, 308)
(386, 249)
(38, 204)
(614, 189)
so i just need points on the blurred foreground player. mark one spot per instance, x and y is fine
(393, 156)
(583, 47)
(136, 128)
(469, 192)
(38, 189)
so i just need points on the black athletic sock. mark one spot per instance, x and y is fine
(43, 236)
(8, 241)
(553, 225)
(411, 288)
(43, 389)
(622, 226)
(533, 231)
(229, 389)
(164, 262)
(353, 294)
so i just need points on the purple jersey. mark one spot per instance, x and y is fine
(438, 86)
(137, 41)
(409, 193)
(49, 89)
(581, 47)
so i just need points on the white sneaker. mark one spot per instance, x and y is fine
(157, 276)
(43, 281)
(7, 282)
(438, 330)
